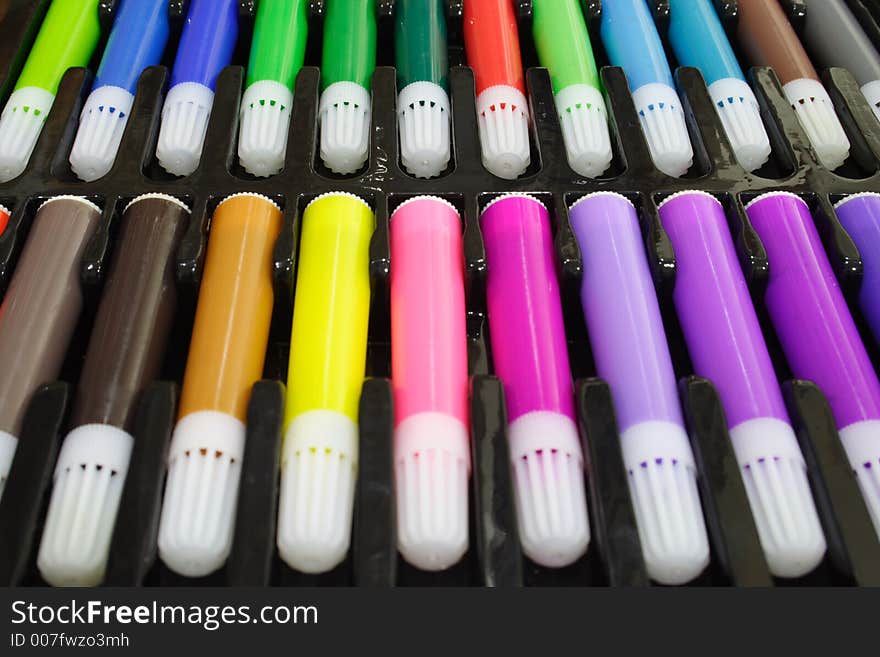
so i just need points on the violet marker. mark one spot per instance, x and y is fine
(727, 347)
(531, 359)
(818, 333)
(632, 355)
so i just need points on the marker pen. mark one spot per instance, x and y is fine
(834, 38)
(423, 100)
(67, 38)
(206, 47)
(226, 355)
(563, 45)
(430, 379)
(818, 335)
(491, 42)
(125, 354)
(328, 353)
(631, 354)
(347, 64)
(698, 39)
(860, 216)
(4, 218)
(632, 42)
(531, 359)
(768, 39)
(40, 310)
(137, 41)
(727, 347)
(278, 51)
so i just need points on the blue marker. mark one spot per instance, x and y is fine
(206, 47)
(632, 42)
(137, 41)
(698, 40)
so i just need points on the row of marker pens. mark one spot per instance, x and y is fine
(328, 347)
(140, 35)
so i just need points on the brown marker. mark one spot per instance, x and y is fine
(41, 310)
(768, 39)
(125, 353)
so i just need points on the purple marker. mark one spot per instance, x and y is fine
(817, 332)
(727, 347)
(860, 216)
(632, 355)
(206, 47)
(531, 359)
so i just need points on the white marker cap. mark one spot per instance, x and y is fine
(101, 125)
(88, 482)
(775, 477)
(584, 121)
(861, 440)
(871, 92)
(201, 493)
(318, 471)
(184, 124)
(503, 120)
(740, 115)
(423, 117)
(662, 118)
(663, 483)
(265, 122)
(20, 126)
(548, 487)
(431, 467)
(344, 114)
(8, 445)
(814, 108)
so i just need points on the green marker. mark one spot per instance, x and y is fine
(423, 103)
(67, 38)
(277, 54)
(563, 45)
(347, 66)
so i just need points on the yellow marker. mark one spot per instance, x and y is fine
(226, 356)
(328, 351)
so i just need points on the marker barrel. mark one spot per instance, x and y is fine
(226, 357)
(349, 53)
(207, 43)
(420, 42)
(326, 374)
(137, 41)
(4, 218)
(860, 216)
(492, 44)
(563, 43)
(430, 379)
(699, 40)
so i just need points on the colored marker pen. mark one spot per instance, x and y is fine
(137, 41)
(430, 379)
(698, 39)
(328, 353)
(834, 38)
(40, 310)
(768, 39)
(4, 218)
(531, 359)
(423, 100)
(632, 42)
(67, 38)
(491, 41)
(631, 354)
(563, 45)
(860, 216)
(278, 51)
(727, 347)
(347, 64)
(125, 354)
(226, 355)
(817, 332)
(206, 47)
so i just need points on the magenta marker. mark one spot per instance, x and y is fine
(430, 378)
(818, 333)
(632, 355)
(531, 359)
(727, 347)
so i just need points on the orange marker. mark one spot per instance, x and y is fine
(226, 357)
(4, 218)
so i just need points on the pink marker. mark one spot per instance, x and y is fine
(430, 380)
